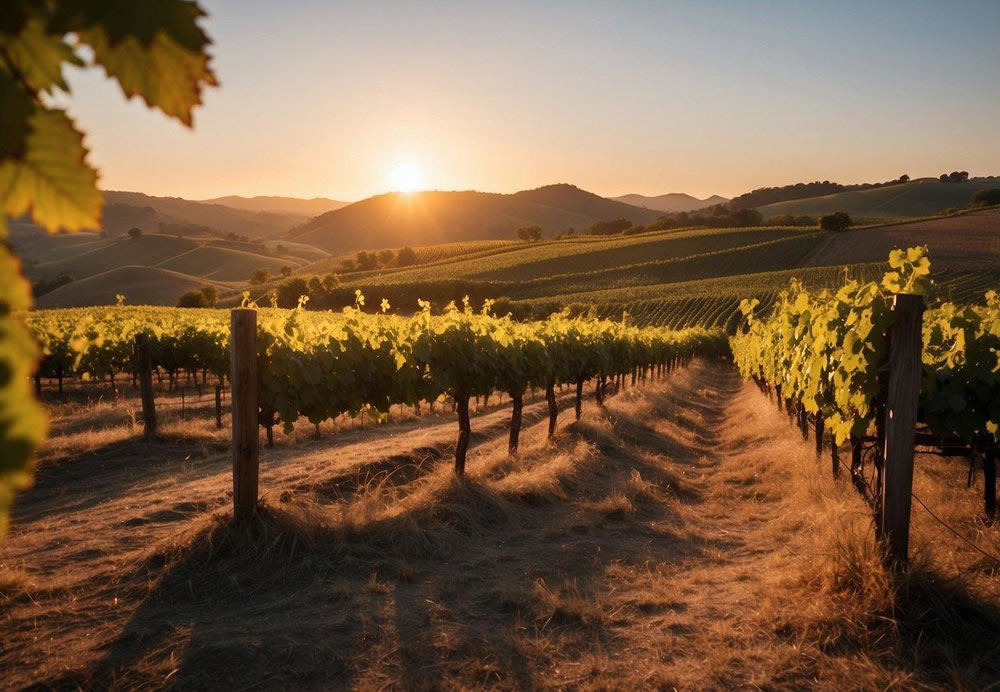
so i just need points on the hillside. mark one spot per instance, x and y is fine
(675, 278)
(140, 286)
(924, 197)
(671, 202)
(83, 255)
(124, 210)
(279, 205)
(428, 218)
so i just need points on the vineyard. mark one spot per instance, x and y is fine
(824, 356)
(319, 366)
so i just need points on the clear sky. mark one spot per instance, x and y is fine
(327, 98)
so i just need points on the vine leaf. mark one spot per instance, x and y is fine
(53, 180)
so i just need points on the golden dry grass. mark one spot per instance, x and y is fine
(683, 537)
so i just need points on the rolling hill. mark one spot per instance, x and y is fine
(678, 277)
(87, 254)
(139, 284)
(279, 205)
(917, 198)
(427, 218)
(123, 210)
(671, 202)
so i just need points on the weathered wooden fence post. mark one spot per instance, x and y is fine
(464, 432)
(517, 402)
(990, 483)
(246, 438)
(550, 397)
(905, 346)
(144, 364)
(218, 407)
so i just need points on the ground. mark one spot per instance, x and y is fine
(684, 536)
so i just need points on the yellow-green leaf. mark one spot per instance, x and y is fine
(53, 180)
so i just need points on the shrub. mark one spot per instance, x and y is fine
(211, 294)
(405, 257)
(835, 222)
(987, 198)
(260, 276)
(135, 233)
(192, 299)
(290, 291)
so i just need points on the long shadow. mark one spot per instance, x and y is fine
(84, 481)
(287, 601)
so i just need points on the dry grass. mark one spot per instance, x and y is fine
(682, 537)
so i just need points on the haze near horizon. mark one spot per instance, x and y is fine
(713, 98)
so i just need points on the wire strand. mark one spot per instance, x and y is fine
(945, 524)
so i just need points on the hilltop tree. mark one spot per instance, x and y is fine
(747, 217)
(285, 270)
(260, 276)
(955, 177)
(610, 227)
(366, 261)
(904, 178)
(192, 299)
(290, 292)
(529, 234)
(134, 233)
(211, 294)
(386, 257)
(406, 257)
(835, 222)
(330, 282)
(159, 55)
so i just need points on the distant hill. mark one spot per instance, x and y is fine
(279, 205)
(923, 197)
(123, 210)
(671, 202)
(426, 218)
(140, 286)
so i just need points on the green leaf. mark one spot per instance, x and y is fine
(53, 180)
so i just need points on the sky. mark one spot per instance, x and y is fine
(706, 97)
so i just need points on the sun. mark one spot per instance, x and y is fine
(405, 177)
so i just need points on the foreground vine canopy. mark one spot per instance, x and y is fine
(154, 50)
(826, 348)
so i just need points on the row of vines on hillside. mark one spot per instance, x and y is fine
(319, 365)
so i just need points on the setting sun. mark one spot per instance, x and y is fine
(405, 177)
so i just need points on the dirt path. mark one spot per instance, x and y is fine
(642, 549)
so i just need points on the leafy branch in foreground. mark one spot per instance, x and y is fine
(153, 49)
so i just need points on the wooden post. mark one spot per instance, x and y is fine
(144, 365)
(464, 431)
(901, 423)
(38, 386)
(515, 422)
(246, 437)
(218, 407)
(579, 397)
(990, 483)
(818, 431)
(550, 397)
